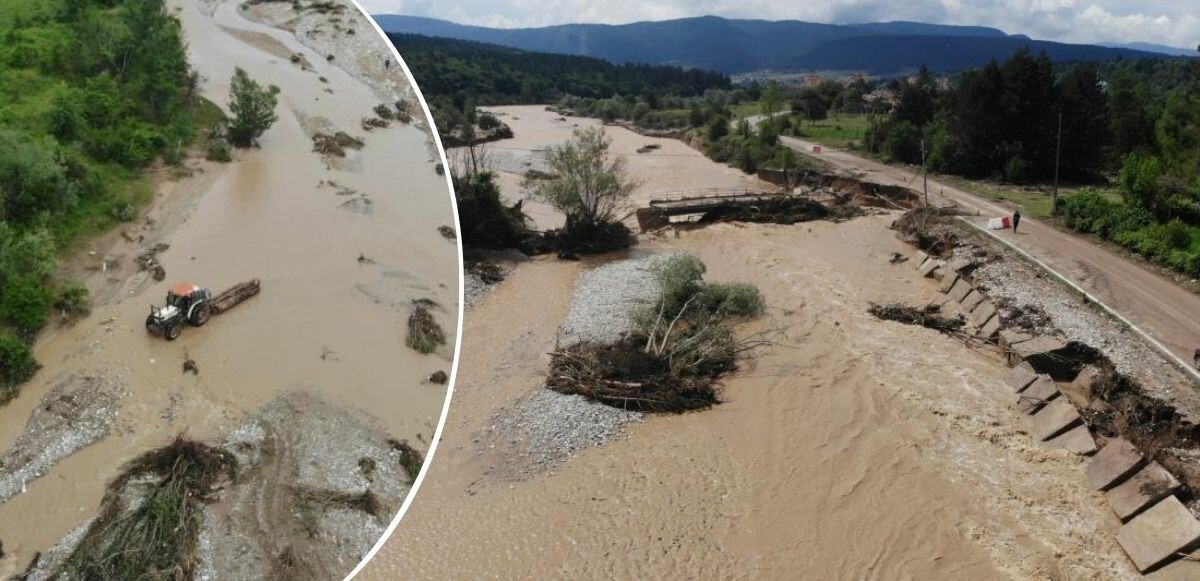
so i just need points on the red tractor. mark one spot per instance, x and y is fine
(186, 304)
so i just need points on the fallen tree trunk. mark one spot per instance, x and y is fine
(234, 295)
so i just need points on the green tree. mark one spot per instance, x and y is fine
(588, 182)
(771, 101)
(17, 365)
(1085, 123)
(253, 109)
(1139, 180)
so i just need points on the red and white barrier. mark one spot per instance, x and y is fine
(1000, 223)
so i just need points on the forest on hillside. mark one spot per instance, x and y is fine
(91, 92)
(455, 76)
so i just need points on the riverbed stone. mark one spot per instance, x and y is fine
(1055, 418)
(1118, 460)
(1146, 487)
(982, 313)
(972, 301)
(960, 290)
(948, 282)
(1078, 440)
(1020, 377)
(1037, 395)
(990, 328)
(1154, 536)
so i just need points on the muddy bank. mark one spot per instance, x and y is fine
(325, 322)
(301, 491)
(897, 448)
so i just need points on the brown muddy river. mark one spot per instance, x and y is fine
(325, 321)
(852, 448)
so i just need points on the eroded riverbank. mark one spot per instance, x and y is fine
(852, 448)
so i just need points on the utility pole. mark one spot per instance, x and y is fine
(1057, 156)
(924, 172)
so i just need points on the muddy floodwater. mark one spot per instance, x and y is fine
(340, 264)
(850, 448)
(672, 168)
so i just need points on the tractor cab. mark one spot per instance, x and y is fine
(186, 303)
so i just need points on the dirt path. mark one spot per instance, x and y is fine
(325, 323)
(1168, 312)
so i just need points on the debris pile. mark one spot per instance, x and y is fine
(424, 333)
(336, 144)
(148, 261)
(928, 316)
(781, 210)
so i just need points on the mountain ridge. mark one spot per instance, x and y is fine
(734, 46)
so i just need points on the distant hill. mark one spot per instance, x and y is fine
(739, 46)
(1155, 48)
(491, 74)
(922, 29)
(880, 55)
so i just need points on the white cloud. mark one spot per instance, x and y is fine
(1171, 22)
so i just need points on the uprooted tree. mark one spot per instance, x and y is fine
(253, 109)
(587, 186)
(674, 359)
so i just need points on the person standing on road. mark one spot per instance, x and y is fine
(1016, 220)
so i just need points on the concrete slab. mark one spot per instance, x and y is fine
(1010, 337)
(1078, 440)
(972, 301)
(948, 282)
(960, 290)
(919, 259)
(986, 310)
(1156, 535)
(1055, 418)
(1037, 395)
(1118, 460)
(1148, 486)
(959, 265)
(989, 329)
(927, 269)
(1021, 376)
(1181, 570)
(1045, 354)
(940, 273)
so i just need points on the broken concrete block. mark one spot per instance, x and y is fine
(984, 311)
(1148, 486)
(1078, 440)
(960, 290)
(972, 301)
(1156, 535)
(939, 273)
(1116, 462)
(920, 258)
(1055, 418)
(1020, 377)
(990, 328)
(1081, 386)
(927, 269)
(1045, 354)
(948, 282)
(959, 265)
(1010, 337)
(1037, 395)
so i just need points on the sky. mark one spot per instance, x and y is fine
(1169, 22)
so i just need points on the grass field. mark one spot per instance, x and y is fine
(839, 130)
(1035, 201)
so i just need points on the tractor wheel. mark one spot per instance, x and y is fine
(199, 315)
(172, 331)
(150, 323)
(1197, 362)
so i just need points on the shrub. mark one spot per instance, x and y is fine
(16, 365)
(424, 334)
(73, 303)
(25, 304)
(218, 150)
(253, 109)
